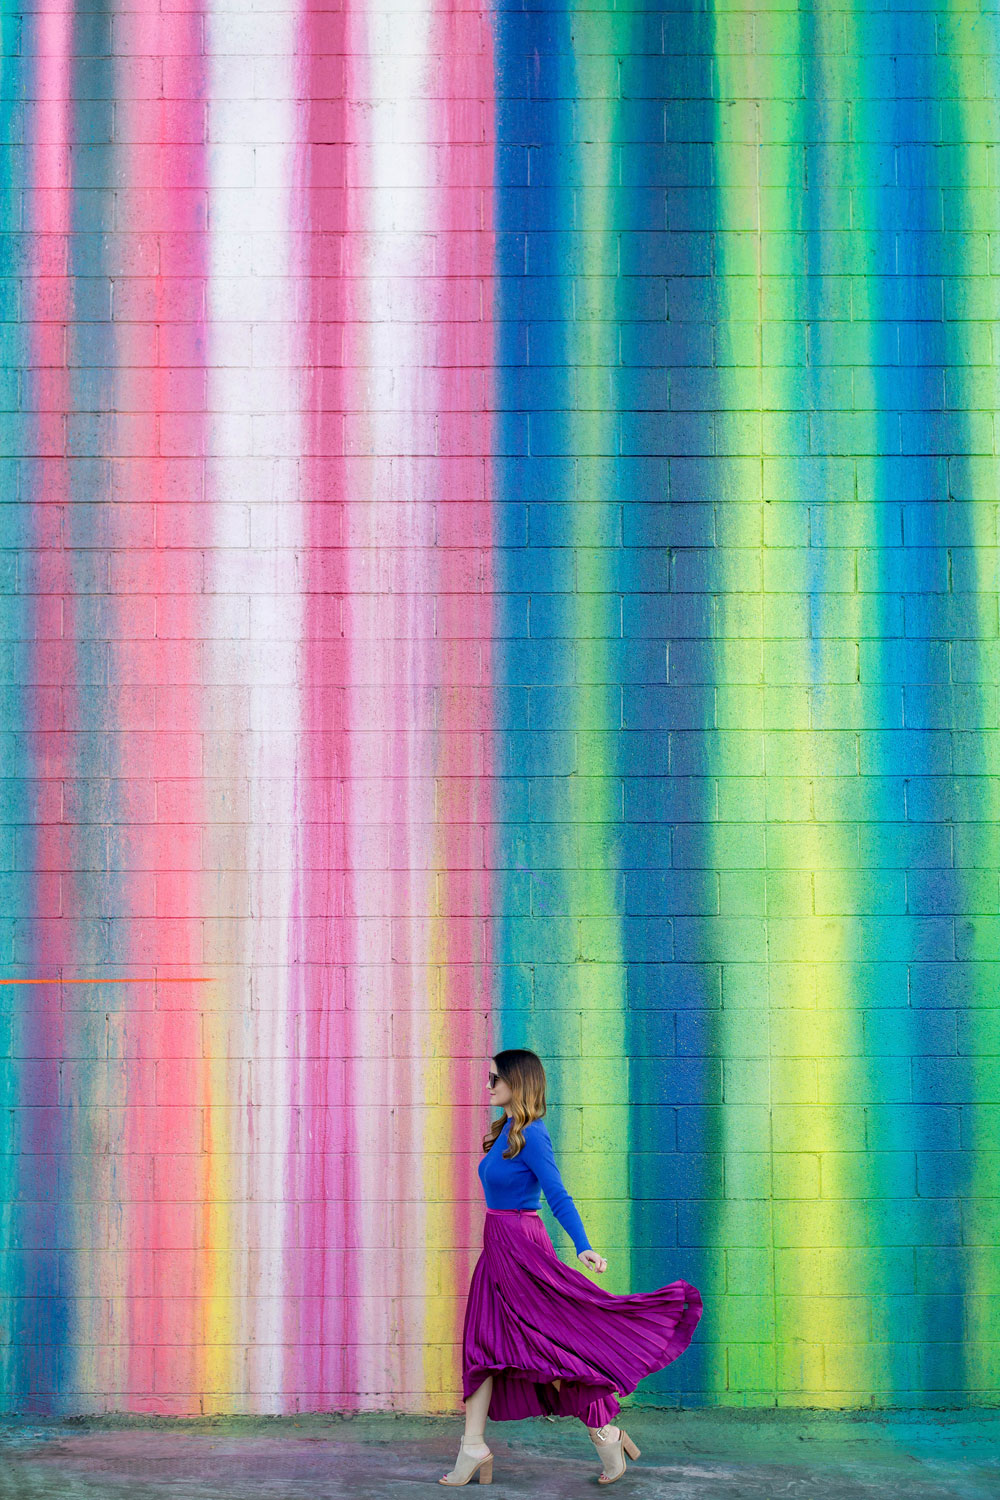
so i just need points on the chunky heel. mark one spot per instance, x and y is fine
(470, 1468)
(618, 1447)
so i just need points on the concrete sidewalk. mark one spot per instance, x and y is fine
(686, 1455)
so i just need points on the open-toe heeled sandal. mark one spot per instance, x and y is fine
(468, 1468)
(612, 1451)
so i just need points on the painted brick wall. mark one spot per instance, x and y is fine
(498, 546)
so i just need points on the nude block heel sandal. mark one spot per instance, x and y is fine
(483, 1471)
(623, 1445)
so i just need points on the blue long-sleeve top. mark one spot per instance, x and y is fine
(519, 1181)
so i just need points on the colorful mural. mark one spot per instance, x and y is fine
(498, 546)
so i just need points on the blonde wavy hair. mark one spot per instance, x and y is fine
(524, 1075)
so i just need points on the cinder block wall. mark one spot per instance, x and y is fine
(499, 547)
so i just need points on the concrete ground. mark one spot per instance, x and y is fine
(686, 1455)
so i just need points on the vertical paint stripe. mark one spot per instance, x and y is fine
(888, 388)
(743, 1120)
(254, 707)
(392, 653)
(459, 977)
(15, 697)
(333, 207)
(156, 441)
(798, 649)
(46, 1336)
(595, 626)
(665, 391)
(968, 46)
(92, 1087)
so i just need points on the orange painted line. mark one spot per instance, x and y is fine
(182, 979)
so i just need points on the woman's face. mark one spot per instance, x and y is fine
(500, 1094)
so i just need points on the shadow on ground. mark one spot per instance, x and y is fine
(686, 1455)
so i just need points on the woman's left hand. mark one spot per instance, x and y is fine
(593, 1260)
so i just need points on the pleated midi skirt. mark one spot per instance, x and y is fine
(530, 1319)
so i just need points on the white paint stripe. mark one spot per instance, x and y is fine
(395, 164)
(251, 309)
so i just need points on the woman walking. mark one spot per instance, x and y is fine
(539, 1337)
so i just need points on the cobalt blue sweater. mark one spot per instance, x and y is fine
(519, 1181)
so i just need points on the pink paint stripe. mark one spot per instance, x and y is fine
(157, 443)
(323, 948)
(464, 532)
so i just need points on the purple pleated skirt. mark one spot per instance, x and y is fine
(530, 1319)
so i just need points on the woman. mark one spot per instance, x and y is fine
(539, 1337)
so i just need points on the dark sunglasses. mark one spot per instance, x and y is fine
(493, 1077)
